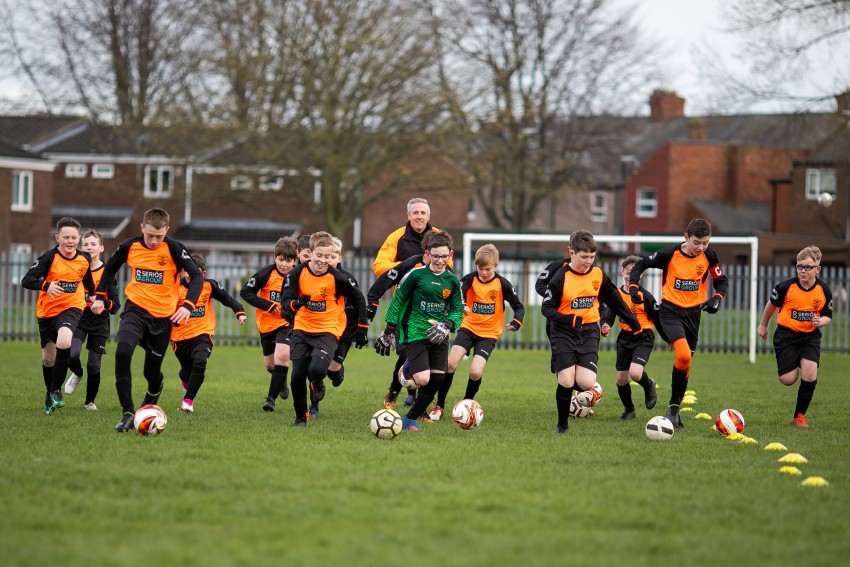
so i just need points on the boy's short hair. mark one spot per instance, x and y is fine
(416, 201)
(487, 255)
(96, 234)
(630, 260)
(67, 221)
(337, 245)
(699, 228)
(321, 238)
(199, 260)
(286, 247)
(583, 241)
(435, 239)
(810, 251)
(304, 242)
(157, 218)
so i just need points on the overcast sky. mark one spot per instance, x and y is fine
(682, 25)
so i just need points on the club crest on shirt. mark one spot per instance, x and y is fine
(81, 272)
(595, 284)
(700, 270)
(161, 259)
(492, 294)
(446, 293)
(324, 292)
(816, 304)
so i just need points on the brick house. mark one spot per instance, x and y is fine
(727, 169)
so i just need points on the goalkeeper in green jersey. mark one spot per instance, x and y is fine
(427, 306)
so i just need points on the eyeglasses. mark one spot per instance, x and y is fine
(441, 257)
(805, 268)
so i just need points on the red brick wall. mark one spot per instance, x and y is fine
(654, 173)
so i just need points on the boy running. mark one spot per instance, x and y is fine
(310, 293)
(348, 320)
(262, 291)
(155, 262)
(57, 275)
(805, 305)
(95, 327)
(634, 349)
(685, 269)
(484, 293)
(193, 341)
(427, 306)
(572, 309)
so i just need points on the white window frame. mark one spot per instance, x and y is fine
(20, 257)
(598, 206)
(76, 170)
(22, 202)
(271, 182)
(818, 181)
(646, 206)
(102, 170)
(241, 183)
(160, 171)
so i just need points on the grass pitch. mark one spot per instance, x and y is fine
(234, 485)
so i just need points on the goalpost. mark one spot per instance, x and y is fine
(752, 241)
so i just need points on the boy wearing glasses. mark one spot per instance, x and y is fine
(426, 307)
(685, 269)
(805, 305)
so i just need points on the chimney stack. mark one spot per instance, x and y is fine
(664, 105)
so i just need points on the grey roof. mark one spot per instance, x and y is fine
(235, 230)
(14, 151)
(109, 221)
(730, 220)
(28, 131)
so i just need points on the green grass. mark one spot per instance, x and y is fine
(234, 485)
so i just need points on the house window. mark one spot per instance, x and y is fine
(103, 171)
(271, 182)
(241, 183)
(598, 206)
(646, 203)
(819, 181)
(159, 181)
(20, 258)
(21, 190)
(76, 170)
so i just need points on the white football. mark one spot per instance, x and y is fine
(578, 410)
(729, 421)
(826, 199)
(385, 424)
(405, 377)
(585, 399)
(467, 414)
(596, 390)
(659, 428)
(150, 420)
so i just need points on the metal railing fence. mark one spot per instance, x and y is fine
(724, 332)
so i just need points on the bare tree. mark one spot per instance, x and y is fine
(121, 60)
(336, 89)
(795, 53)
(517, 72)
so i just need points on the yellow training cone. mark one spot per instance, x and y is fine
(789, 470)
(815, 481)
(690, 392)
(734, 436)
(775, 447)
(747, 440)
(702, 416)
(689, 401)
(686, 409)
(793, 458)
